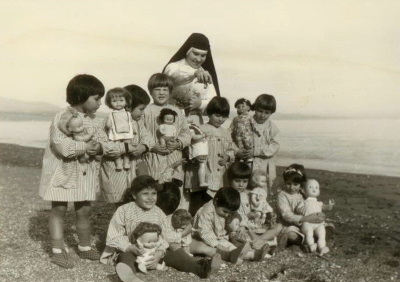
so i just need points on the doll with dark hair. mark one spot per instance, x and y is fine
(167, 129)
(147, 237)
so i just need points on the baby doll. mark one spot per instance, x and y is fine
(242, 126)
(181, 220)
(232, 225)
(198, 150)
(119, 122)
(167, 130)
(309, 206)
(71, 124)
(147, 236)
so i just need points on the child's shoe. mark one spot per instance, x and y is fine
(237, 254)
(88, 254)
(210, 265)
(324, 250)
(125, 273)
(62, 259)
(313, 248)
(261, 254)
(282, 242)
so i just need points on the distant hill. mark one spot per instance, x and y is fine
(9, 105)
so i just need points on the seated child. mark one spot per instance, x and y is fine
(312, 205)
(210, 224)
(167, 130)
(146, 236)
(71, 124)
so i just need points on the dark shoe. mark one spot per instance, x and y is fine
(259, 255)
(91, 254)
(209, 266)
(282, 242)
(63, 260)
(239, 252)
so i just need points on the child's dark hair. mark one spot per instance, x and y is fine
(230, 218)
(295, 173)
(167, 111)
(242, 101)
(169, 197)
(143, 228)
(140, 183)
(81, 87)
(160, 80)
(239, 170)
(180, 217)
(218, 105)
(138, 96)
(118, 92)
(265, 102)
(228, 198)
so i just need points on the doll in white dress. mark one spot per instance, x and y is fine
(119, 122)
(309, 206)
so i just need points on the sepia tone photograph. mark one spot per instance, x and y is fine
(199, 140)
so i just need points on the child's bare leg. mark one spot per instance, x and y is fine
(200, 248)
(202, 173)
(118, 163)
(162, 141)
(56, 224)
(321, 243)
(308, 230)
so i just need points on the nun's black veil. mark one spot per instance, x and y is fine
(198, 41)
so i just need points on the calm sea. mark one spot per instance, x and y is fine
(347, 145)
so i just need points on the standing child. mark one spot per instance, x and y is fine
(160, 156)
(119, 122)
(64, 179)
(116, 182)
(264, 137)
(242, 126)
(220, 153)
(312, 205)
(288, 200)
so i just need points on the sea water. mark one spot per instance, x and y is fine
(369, 146)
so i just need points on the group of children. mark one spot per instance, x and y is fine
(181, 188)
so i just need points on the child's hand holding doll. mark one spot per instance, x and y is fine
(224, 159)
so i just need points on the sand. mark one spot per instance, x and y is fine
(366, 246)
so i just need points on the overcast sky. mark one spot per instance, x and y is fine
(317, 57)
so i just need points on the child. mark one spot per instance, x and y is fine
(139, 206)
(221, 152)
(167, 129)
(264, 136)
(288, 199)
(177, 230)
(239, 174)
(64, 179)
(71, 124)
(242, 126)
(146, 236)
(312, 205)
(168, 200)
(119, 122)
(160, 156)
(198, 150)
(116, 182)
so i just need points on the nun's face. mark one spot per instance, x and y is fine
(196, 57)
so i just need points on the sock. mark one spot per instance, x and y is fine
(57, 244)
(83, 236)
(84, 249)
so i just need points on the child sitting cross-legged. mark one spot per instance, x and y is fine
(210, 224)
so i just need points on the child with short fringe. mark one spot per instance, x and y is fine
(116, 182)
(64, 179)
(220, 154)
(265, 144)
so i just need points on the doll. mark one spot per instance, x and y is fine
(119, 122)
(242, 126)
(71, 124)
(198, 150)
(258, 206)
(232, 225)
(181, 220)
(147, 236)
(167, 130)
(312, 205)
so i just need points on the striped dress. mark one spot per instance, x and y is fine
(64, 178)
(158, 163)
(219, 143)
(114, 183)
